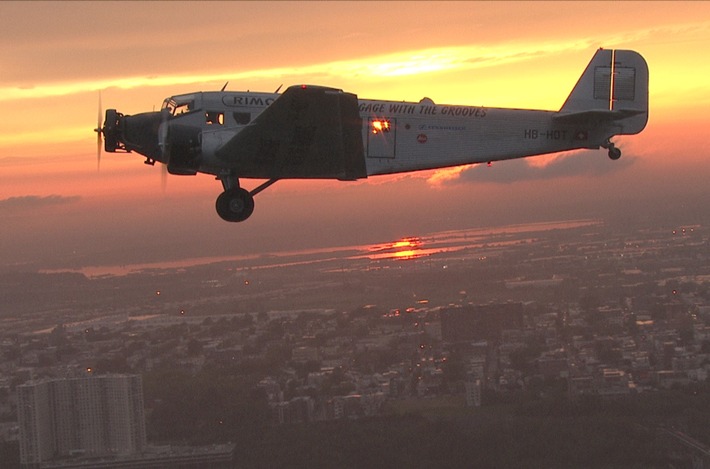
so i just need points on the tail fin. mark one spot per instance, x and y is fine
(613, 87)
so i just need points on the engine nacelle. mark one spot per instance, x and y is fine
(137, 133)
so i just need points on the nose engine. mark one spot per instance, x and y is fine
(152, 135)
(174, 136)
(137, 133)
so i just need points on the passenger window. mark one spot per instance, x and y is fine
(381, 126)
(242, 118)
(214, 117)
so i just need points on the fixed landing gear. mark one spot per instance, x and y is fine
(235, 204)
(614, 153)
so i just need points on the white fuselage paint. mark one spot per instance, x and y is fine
(424, 135)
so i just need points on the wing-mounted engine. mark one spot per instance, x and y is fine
(308, 132)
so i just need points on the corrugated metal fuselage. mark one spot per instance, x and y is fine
(425, 135)
(408, 136)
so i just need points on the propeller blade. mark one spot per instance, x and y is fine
(164, 177)
(98, 131)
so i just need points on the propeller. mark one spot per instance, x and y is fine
(164, 177)
(111, 133)
(98, 131)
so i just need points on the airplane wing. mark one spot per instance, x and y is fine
(308, 132)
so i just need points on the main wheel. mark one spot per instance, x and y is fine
(235, 204)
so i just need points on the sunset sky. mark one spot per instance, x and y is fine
(58, 211)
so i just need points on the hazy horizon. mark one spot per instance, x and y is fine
(59, 212)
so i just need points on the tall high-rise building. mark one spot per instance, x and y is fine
(93, 415)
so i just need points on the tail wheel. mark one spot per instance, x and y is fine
(614, 153)
(235, 204)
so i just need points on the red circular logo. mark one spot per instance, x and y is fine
(421, 138)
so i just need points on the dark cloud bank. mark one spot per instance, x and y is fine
(36, 201)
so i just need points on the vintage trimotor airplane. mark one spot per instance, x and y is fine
(315, 132)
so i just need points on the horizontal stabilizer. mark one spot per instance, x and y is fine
(308, 132)
(595, 116)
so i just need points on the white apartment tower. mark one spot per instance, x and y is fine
(93, 416)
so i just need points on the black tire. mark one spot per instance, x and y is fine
(614, 153)
(235, 204)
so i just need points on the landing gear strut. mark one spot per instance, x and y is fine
(614, 153)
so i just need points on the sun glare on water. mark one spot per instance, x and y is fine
(402, 249)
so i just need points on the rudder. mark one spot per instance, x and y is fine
(615, 81)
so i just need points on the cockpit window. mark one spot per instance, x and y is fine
(179, 105)
(183, 108)
(168, 104)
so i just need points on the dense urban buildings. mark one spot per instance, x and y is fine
(478, 328)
